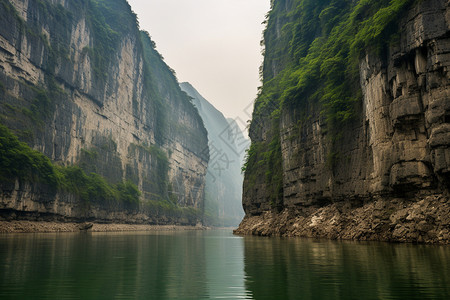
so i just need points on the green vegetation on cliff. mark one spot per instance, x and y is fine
(312, 51)
(311, 59)
(109, 20)
(77, 47)
(19, 161)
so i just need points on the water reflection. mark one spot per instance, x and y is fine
(156, 265)
(215, 265)
(308, 269)
(225, 267)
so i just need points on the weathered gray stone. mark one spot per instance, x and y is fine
(397, 146)
(440, 136)
(404, 107)
(119, 112)
(410, 173)
(441, 160)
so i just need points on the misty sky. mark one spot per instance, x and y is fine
(213, 44)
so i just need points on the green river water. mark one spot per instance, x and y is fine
(214, 264)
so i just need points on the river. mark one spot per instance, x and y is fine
(214, 264)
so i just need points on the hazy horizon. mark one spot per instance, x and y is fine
(212, 44)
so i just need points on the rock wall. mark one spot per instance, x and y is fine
(224, 177)
(397, 146)
(34, 202)
(81, 84)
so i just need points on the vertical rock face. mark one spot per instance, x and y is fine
(224, 177)
(81, 84)
(406, 105)
(395, 147)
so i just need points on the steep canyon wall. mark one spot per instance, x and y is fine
(383, 173)
(224, 178)
(81, 84)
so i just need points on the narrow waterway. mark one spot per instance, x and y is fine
(215, 264)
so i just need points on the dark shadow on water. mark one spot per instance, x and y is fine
(215, 264)
(133, 265)
(321, 269)
(102, 266)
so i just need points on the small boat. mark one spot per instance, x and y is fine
(85, 226)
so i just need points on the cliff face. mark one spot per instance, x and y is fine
(81, 84)
(224, 178)
(351, 179)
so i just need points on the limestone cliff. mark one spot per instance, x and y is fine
(82, 84)
(224, 177)
(362, 150)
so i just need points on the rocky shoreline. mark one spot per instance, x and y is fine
(17, 226)
(395, 220)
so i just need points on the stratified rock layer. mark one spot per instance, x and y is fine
(81, 84)
(397, 148)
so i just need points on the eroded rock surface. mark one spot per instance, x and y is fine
(399, 220)
(86, 88)
(396, 148)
